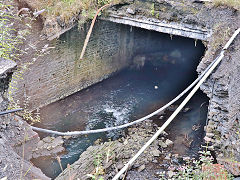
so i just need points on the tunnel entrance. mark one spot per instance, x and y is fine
(160, 68)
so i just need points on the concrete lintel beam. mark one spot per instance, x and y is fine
(173, 28)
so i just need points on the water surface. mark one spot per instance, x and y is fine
(124, 97)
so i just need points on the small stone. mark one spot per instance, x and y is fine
(125, 142)
(161, 117)
(207, 139)
(211, 148)
(156, 153)
(186, 158)
(176, 155)
(209, 135)
(98, 141)
(170, 173)
(1, 99)
(120, 165)
(165, 133)
(186, 109)
(47, 139)
(141, 168)
(131, 11)
(49, 148)
(66, 137)
(168, 157)
(162, 144)
(168, 142)
(40, 143)
(218, 142)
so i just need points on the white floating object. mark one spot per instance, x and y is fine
(155, 87)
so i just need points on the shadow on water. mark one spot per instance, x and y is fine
(129, 94)
(186, 130)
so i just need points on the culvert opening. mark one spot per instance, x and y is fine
(160, 67)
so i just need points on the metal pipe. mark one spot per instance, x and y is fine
(175, 113)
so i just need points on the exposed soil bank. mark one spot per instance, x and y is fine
(17, 140)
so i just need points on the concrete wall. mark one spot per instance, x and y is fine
(60, 73)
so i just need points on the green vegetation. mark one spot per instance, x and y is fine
(67, 9)
(230, 3)
(204, 168)
(8, 41)
(9, 49)
(99, 165)
(152, 9)
(99, 170)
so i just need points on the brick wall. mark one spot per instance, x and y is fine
(111, 48)
(61, 73)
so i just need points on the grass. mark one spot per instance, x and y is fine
(230, 3)
(10, 39)
(204, 168)
(67, 9)
(8, 42)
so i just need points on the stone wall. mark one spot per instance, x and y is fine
(61, 73)
(223, 90)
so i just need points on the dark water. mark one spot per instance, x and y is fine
(186, 130)
(130, 94)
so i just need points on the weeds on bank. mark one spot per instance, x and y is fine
(221, 34)
(67, 9)
(99, 170)
(204, 168)
(99, 162)
(230, 3)
(10, 41)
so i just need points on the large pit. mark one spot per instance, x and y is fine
(155, 68)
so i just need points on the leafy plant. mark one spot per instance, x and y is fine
(99, 171)
(153, 9)
(204, 168)
(8, 41)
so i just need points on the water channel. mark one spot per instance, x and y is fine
(126, 96)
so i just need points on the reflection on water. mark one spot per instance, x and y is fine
(130, 94)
